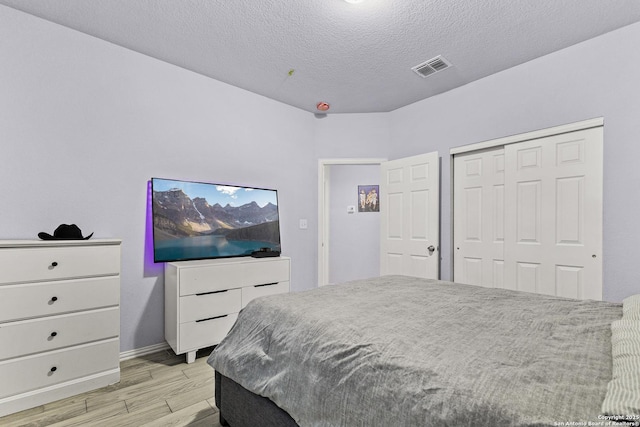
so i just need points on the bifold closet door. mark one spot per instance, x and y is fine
(479, 217)
(553, 211)
(528, 216)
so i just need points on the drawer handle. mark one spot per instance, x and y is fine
(53, 334)
(53, 369)
(211, 318)
(54, 264)
(266, 284)
(212, 292)
(54, 299)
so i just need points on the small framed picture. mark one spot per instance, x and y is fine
(368, 200)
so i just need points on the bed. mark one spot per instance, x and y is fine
(402, 351)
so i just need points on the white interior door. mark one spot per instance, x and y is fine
(479, 217)
(554, 217)
(410, 216)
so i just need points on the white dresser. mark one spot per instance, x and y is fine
(203, 298)
(59, 319)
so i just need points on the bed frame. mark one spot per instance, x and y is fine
(241, 408)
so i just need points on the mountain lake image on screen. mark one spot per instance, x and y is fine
(195, 220)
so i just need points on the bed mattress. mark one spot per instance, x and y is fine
(404, 351)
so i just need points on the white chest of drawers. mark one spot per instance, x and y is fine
(203, 298)
(59, 319)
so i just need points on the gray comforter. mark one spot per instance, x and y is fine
(401, 351)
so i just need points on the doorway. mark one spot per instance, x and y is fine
(409, 222)
(324, 209)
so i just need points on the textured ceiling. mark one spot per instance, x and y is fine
(356, 57)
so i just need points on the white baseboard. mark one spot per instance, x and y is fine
(137, 352)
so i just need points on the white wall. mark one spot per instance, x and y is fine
(597, 78)
(354, 238)
(352, 136)
(84, 124)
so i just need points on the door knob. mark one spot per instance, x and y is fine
(431, 249)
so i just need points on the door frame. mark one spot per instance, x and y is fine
(541, 133)
(324, 178)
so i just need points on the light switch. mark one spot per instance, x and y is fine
(351, 209)
(303, 224)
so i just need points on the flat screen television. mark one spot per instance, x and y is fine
(196, 220)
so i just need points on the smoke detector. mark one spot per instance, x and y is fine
(431, 66)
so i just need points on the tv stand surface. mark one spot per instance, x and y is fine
(203, 298)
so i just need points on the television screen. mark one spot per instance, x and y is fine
(195, 220)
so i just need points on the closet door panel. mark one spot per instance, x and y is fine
(479, 217)
(553, 211)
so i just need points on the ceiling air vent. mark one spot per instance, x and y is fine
(431, 66)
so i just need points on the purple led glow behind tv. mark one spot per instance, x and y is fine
(196, 220)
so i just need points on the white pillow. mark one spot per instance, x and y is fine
(623, 391)
(631, 307)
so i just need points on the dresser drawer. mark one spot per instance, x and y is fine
(219, 276)
(50, 333)
(252, 292)
(205, 306)
(35, 264)
(195, 335)
(46, 298)
(37, 371)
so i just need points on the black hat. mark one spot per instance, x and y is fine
(65, 232)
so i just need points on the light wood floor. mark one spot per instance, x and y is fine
(158, 389)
